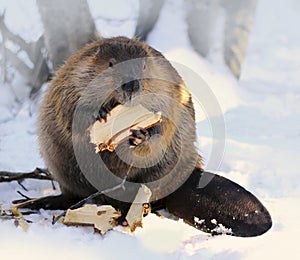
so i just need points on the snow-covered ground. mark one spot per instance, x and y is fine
(262, 141)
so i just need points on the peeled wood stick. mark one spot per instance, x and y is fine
(116, 129)
(139, 207)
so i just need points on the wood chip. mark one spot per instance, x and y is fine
(22, 224)
(15, 210)
(103, 218)
(108, 135)
(139, 208)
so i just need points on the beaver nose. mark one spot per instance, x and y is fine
(131, 86)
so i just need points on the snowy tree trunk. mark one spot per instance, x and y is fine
(201, 19)
(239, 20)
(68, 25)
(148, 14)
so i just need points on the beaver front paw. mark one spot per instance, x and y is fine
(102, 114)
(138, 136)
(105, 110)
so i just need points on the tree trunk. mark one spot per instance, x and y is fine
(239, 20)
(68, 25)
(148, 14)
(201, 19)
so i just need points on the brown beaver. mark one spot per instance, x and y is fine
(125, 71)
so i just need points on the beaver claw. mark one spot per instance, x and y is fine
(102, 114)
(138, 136)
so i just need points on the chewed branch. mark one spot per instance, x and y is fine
(38, 173)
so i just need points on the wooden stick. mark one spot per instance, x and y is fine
(139, 207)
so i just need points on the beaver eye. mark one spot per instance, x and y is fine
(110, 64)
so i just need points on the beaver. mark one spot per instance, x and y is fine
(122, 71)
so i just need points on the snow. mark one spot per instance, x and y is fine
(262, 140)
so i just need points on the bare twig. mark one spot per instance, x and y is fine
(23, 204)
(24, 196)
(20, 65)
(38, 173)
(21, 184)
(96, 194)
(35, 76)
(27, 47)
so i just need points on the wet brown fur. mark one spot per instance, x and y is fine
(72, 86)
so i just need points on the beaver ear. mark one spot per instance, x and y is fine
(221, 201)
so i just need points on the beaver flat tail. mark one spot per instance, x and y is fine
(221, 206)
